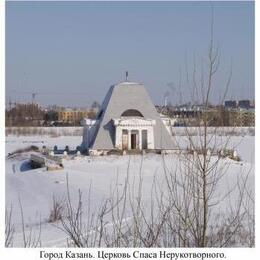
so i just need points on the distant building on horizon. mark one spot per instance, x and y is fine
(244, 104)
(74, 116)
(239, 104)
(230, 104)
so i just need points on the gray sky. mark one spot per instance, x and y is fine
(71, 52)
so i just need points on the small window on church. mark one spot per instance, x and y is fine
(132, 113)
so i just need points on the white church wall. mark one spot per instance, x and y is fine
(168, 122)
(134, 124)
(150, 138)
(119, 137)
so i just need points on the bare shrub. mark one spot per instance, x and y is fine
(56, 210)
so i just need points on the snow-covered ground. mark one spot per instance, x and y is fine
(36, 188)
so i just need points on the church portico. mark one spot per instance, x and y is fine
(134, 133)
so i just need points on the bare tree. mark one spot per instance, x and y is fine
(192, 187)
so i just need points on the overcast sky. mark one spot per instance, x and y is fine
(71, 52)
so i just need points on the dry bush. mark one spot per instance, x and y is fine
(56, 210)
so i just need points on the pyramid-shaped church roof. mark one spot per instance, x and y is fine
(127, 96)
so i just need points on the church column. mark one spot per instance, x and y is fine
(140, 139)
(118, 137)
(129, 139)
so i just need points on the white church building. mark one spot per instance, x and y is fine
(127, 120)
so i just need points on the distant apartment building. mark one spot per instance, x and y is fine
(72, 116)
(245, 104)
(240, 104)
(240, 113)
(230, 104)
